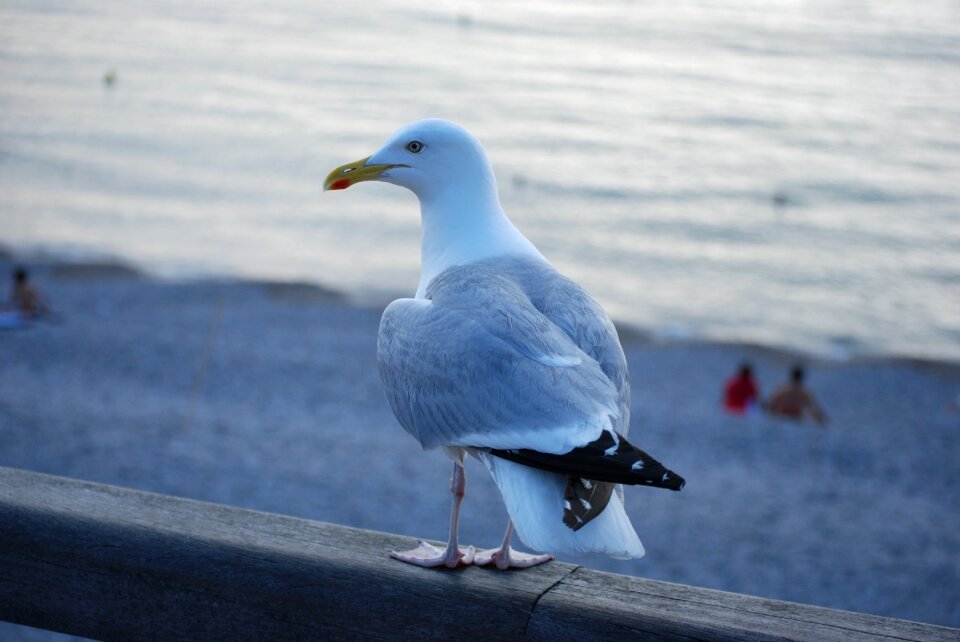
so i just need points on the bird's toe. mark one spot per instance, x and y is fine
(429, 556)
(510, 558)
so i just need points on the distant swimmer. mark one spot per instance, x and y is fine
(25, 304)
(25, 298)
(740, 393)
(792, 400)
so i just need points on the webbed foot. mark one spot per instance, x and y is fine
(509, 558)
(429, 556)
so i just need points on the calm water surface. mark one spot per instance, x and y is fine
(785, 172)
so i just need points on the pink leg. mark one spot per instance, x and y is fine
(505, 557)
(429, 555)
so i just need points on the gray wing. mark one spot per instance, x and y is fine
(479, 365)
(582, 318)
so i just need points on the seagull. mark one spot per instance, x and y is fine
(500, 357)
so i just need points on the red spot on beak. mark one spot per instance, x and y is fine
(340, 183)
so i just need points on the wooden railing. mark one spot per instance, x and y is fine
(117, 564)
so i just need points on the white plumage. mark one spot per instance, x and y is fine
(501, 357)
(531, 499)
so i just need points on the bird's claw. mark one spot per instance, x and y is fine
(429, 556)
(509, 558)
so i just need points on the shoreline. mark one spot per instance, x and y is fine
(90, 265)
(266, 395)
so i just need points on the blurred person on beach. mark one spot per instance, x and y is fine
(792, 400)
(26, 302)
(740, 392)
(25, 297)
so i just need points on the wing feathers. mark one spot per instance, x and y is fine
(611, 458)
(583, 500)
(479, 365)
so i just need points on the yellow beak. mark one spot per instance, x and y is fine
(356, 172)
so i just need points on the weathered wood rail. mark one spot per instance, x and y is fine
(117, 564)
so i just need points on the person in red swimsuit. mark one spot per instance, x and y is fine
(740, 394)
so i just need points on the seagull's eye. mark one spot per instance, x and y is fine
(414, 146)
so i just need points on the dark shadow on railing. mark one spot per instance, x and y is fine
(117, 564)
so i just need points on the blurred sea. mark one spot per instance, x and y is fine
(786, 172)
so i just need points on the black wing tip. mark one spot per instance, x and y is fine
(670, 480)
(601, 462)
(572, 522)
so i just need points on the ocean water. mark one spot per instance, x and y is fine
(785, 172)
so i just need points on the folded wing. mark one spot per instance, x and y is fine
(479, 365)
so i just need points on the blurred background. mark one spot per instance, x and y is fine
(784, 172)
(734, 180)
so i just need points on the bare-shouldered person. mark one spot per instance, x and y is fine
(793, 401)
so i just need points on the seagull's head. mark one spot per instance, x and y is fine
(427, 157)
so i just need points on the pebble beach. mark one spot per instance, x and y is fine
(265, 395)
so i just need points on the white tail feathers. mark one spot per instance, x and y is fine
(534, 500)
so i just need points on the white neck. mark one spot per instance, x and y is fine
(464, 223)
